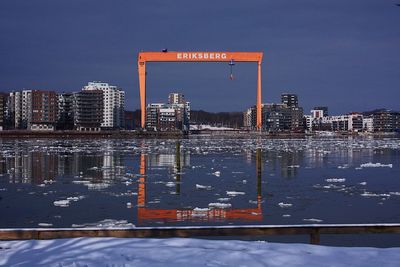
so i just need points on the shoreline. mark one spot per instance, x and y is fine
(178, 134)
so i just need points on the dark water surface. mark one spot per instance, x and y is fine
(199, 181)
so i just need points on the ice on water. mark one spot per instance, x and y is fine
(109, 168)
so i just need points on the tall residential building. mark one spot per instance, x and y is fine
(65, 111)
(182, 105)
(176, 98)
(168, 117)
(289, 100)
(113, 102)
(248, 121)
(16, 109)
(20, 107)
(317, 120)
(88, 110)
(386, 121)
(368, 124)
(152, 116)
(3, 102)
(277, 118)
(284, 117)
(42, 110)
(322, 111)
(26, 107)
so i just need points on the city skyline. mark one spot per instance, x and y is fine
(330, 53)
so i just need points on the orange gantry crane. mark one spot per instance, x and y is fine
(166, 56)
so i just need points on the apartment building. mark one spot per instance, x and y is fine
(42, 110)
(88, 110)
(113, 104)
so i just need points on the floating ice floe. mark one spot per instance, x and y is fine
(207, 187)
(293, 166)
(201, 209)
(376, 165)
(345, 166)
(313, 220)
(234, 193)
(65, 202)
(170, 184)
(395, 193)
(370, 194)
(97, 186)
(286, 215)
(80, 182)
(329, 186)
(284, 205)
(200, 212)
(219, 205)
(45, 224)
(61, 203)
(335, 180)
(75, 198)
(363, 183)
(217, 173)
(223, 199)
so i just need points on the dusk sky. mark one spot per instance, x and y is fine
(344, 54)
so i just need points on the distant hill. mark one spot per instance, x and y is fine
(227, 119)
(369, 113)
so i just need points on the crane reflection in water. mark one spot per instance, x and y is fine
(211, 214)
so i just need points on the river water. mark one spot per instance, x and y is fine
(199, 181)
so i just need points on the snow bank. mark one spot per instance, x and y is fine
(106, 223)
(186, 252)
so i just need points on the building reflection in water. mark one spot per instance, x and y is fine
(36, 167)
(287, 163)
(146, 214)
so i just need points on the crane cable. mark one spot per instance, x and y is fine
(231, 64)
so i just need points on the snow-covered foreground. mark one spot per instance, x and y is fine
(186, 252)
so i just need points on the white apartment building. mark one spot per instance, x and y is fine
(350, 122)
(317, 113)
(309, 121)
(20, 107)
(178, 98)
(114, 104)
(368, 124)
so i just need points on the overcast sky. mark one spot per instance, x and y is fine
(344, 54)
